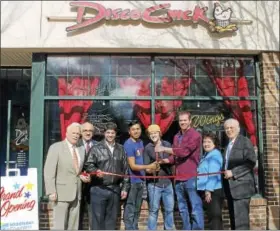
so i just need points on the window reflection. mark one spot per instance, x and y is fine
(59, 114)
(131, 75)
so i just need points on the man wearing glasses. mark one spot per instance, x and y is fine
(86, 141)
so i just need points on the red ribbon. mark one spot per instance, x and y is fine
(153, 177)
(159, 177)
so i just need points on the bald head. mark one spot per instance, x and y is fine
(87, 131)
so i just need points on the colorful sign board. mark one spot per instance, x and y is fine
(19, 202)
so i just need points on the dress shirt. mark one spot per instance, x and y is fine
(71, 146)
(85, 144)
(229, 147)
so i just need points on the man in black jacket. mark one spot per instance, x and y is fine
(107, 190)
(239, 183)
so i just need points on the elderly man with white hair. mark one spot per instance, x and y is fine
(239, 184)
(63, 180)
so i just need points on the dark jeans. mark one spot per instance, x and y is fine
(105, 204)
(214, 210)
(239, 210)
(133, 206)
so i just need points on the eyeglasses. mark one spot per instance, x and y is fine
(87, 130)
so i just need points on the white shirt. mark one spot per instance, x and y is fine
(110, 146)
(228, 151)
(72, 152)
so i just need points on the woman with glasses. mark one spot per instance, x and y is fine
(210, 186)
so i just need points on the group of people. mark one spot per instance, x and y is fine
(84, 175)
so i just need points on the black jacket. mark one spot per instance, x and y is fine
(100, 157)
(241, 162)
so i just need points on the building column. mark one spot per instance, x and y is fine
(270, 114)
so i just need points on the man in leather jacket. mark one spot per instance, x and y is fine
(107, 190)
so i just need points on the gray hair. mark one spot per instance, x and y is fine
(233, 122)
(72, 125)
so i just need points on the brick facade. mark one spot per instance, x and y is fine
(264, 213)
(270, 123)
(257, 216)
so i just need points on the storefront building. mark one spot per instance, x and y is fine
(64, 62)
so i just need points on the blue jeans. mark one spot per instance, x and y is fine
(167, 195)
(132, 207)
(186, 193)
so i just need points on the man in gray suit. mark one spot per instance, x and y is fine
(239, 183)
(63, 180)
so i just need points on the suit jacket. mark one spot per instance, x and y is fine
(86, 186)
(242, 160)
(81, 144)
(59, 173)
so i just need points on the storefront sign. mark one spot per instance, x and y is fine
(202, 120)
(220, 23)
(19, 202)
(158, 14)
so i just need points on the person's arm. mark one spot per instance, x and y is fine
(131, 160)
(50, 170)
(188, 146)
(125, 184)
(249, 160)
(139, 167)
(91, 163)
(147, 160)
(215, 163)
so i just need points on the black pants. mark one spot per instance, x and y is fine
(239, 210)
(105, 205)
(133, 206)
(214, 210)
(85, 207)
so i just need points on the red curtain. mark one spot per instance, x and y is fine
(226, 86)
(73, 110)
(165, 110)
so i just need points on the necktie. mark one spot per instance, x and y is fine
(87, 146)
(228, 154)
(75, 160)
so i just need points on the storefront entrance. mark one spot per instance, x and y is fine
(14, 123)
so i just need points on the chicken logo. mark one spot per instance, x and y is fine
(221, 22)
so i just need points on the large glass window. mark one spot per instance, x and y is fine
(149, 88)
(15, 85)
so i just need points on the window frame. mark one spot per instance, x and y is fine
(39, 66)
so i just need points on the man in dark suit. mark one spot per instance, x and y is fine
(239, 184)
(87, 131)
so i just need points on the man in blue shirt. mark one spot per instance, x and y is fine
(134, 150)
